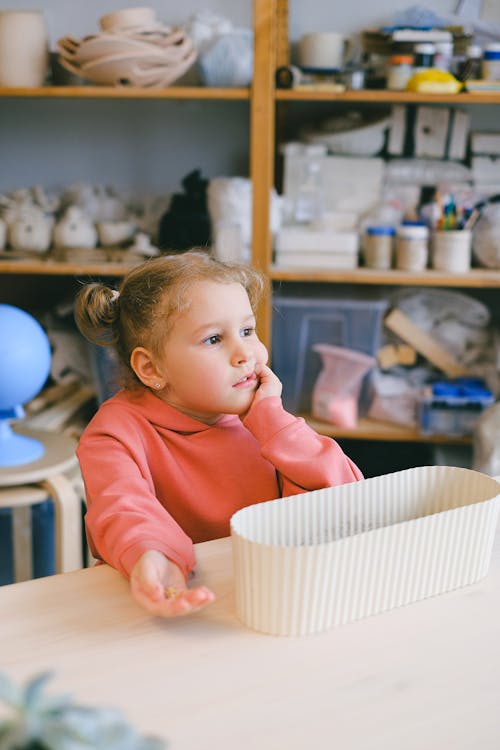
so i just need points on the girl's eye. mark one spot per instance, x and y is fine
(211, 340)
(247, 332)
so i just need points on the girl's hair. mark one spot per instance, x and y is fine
(143, 310)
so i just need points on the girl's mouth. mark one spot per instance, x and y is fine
(246, 381)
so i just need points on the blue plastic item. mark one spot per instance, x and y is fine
(24, 367)
(452, 407)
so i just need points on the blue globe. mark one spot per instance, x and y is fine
(24, 368)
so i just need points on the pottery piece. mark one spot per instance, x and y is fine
(24, 50)
(113, 60)
(142, 245)
(75, 229)
(127, 18)
(30, 230)
(112, 233)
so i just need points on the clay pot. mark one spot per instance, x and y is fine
(24, 52)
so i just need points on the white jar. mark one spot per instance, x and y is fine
(412, 247)
(378, 247)
(491, 62)
(451, 250)
(400, 71)
(24, 49)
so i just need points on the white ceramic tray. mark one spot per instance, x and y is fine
(306, 563)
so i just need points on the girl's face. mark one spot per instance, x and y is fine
(208, 362)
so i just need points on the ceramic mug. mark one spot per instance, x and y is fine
(24, 49)
(322, 50)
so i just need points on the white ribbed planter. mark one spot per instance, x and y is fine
(324, 558)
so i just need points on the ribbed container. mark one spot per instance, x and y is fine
(306, 563)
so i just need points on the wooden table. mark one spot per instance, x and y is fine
(422, 677)
(24, 485)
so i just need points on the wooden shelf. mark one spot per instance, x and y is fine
(60, 268)
(384, 95)
(371, 429)
(123, 92)
(475, 278)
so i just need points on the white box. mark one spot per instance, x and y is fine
(485, 143)
(485, 169)
(459, 134)
(431, 132)
(319, 260)
(296, 239)
(306, 563)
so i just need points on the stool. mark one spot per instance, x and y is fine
(28, 484)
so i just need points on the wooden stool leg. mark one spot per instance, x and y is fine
(68, 519)
(21, 542)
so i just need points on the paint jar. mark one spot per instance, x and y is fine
(412, 247)
(425, 54)
(400, 71)
(378, 244)
(491, 62)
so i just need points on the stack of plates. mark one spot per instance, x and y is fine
(132, 49)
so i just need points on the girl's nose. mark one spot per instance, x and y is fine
(242, 352)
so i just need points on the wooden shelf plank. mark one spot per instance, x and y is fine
(123, 92)
(371, 429)
(475, 278)
(384, 95)
(27, 266)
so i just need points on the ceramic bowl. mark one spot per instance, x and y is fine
(91, 48)
(127, 18)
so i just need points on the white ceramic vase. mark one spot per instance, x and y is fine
(24, 48)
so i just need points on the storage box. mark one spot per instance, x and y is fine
(300, 323)
(306, 563)
(453, 407)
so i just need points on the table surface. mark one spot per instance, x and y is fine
(58, 458)
(421, 677)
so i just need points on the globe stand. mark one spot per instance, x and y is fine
(16, 449)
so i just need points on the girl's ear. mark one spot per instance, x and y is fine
(144, 366)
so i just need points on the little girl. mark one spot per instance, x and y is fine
(198, 430)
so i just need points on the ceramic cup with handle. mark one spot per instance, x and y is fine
(323, 50)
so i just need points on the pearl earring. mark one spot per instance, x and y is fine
(157, 385)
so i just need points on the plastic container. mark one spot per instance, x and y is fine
(412, 247)
(453, 407)
(491, 62)
(300, 323)
(444, 55)
(425, 54)
(337, 390)
(399, 72)
(451, 250)
(378, 247)
(306, 563)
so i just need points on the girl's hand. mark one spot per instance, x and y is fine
(158, 585)
(269, 384)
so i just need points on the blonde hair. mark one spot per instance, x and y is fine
(149, 299)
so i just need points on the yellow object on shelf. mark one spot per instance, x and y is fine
(434, 81)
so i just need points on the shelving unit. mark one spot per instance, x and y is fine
(271, 21)
(30, 267)
(271, 49)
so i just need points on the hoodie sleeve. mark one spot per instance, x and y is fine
(304, 460)
(124, 518)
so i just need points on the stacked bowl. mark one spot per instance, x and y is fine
(132, 49)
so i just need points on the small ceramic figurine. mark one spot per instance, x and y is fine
(142, 245)
(75, 229)
(30, 230)
(115, 232)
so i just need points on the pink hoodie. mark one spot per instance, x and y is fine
(158, 479)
